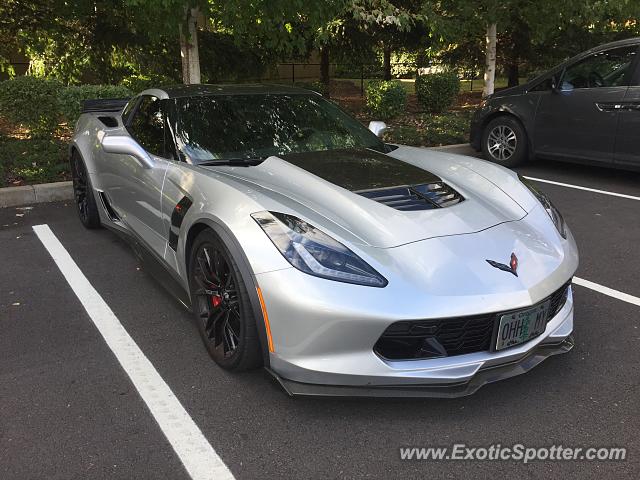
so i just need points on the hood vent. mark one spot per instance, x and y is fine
(415, 197)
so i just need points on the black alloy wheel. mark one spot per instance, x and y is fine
(221, 305)
(83, 193)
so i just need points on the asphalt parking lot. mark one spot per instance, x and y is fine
(68, 409)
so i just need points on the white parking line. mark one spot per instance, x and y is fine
(578, 187)
(625, 297)
(197, 455)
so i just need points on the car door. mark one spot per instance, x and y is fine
(578, 118)
(133, 189)
(627, 149)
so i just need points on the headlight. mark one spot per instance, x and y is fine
(553, 212)
(314, 252)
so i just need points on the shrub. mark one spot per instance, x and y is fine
(318, 87)
(385, 100)
(437, 91)
(403, 65)
(138, 83)
(32, 160)
(32, 103)
(432, 129)
(70, 98)
(447, 129)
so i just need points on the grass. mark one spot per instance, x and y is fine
(431, 129)
(29, 161)
(465, 85)
(25, 160)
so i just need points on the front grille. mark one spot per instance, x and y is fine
(558, 299)
(415, 197)
(447, 337)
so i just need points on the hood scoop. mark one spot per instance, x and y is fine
(415, 197)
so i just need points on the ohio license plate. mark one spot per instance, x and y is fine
(518, 327)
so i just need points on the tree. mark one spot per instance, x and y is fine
(387, 24)
(490, 64)
(73, 41)
(391, 23)
(283, 26)
(530, 36)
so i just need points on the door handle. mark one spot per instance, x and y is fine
(619, 107)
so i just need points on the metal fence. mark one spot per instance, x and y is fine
(292, 72)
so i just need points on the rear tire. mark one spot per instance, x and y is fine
(221, 305)
(504, 141)
(83, 193)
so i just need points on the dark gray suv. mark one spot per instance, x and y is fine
(585, 110)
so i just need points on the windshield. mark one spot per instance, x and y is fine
(243, 127)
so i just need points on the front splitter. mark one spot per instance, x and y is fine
(442, 390)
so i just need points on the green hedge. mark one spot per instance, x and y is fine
(138, 83)
(32, 103)
(32, 160)
(385, 100)
(70, 98)
(40, 104)
(437, 91)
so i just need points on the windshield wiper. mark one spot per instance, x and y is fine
(239, 162)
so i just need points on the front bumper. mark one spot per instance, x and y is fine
(475, 128)
(317, 368)
(435, 390)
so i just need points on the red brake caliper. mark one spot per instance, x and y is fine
(216, 300)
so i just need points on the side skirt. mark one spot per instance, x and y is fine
(155, 267)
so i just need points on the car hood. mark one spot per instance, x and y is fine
(328, 189)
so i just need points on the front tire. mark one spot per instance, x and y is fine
(83, 193)
(221, 305)
(504, 141)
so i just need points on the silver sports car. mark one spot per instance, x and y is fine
(302, 242)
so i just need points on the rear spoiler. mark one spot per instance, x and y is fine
(104, 105)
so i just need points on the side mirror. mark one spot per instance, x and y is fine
(125, 145)
(378, 128)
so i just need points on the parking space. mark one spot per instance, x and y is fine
(68, 409)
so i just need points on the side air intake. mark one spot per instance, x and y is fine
(415, 197)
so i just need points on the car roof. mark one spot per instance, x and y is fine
(178, 91)
(619, 43)
(629, 42)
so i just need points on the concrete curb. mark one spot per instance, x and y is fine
(451, 147)
(30, 194)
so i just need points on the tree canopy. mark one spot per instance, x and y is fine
(105, 42)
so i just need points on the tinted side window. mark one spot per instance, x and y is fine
(544, 85)
(126, 112)
(603, 69)
(147, 126)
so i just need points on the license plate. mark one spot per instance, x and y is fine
(518, 327)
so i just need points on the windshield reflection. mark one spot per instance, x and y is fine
(256, 126)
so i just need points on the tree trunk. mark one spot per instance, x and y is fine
(490, 65)
(386, 62)
(513, 75)
(189, 48)
(324, 65)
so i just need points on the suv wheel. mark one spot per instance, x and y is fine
(504, 141)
